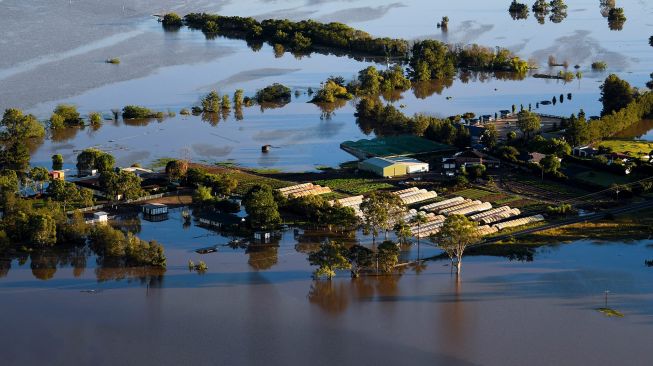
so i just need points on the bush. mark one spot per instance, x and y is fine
(95, 118)
(114, 61)
(171, 21)
(133, 111)
(275, 93)
(599, 66)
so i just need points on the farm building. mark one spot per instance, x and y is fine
(154, 209)
(99, 217)
(57, 175)
(393, 166)
(303, 190)
(468, 158)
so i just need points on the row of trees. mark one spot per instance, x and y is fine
(623, 106)
(298, 36)
(455, 236)
(541, 8)
(428, 59)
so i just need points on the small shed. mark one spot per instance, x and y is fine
(57, 175)
(154, 209)
(100, 216)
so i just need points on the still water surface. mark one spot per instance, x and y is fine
(262, 307)
(62, 61)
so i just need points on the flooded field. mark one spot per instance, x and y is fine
(263, 306)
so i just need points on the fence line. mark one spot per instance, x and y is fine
(139, 199)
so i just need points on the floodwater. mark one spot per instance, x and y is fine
(639, 131)
(254, 307)
(62, 60)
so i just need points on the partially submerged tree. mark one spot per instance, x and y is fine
(387, 256)
(457, 233)
(360, 258)
(331, 256)
(380, 211)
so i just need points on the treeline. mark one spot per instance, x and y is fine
(298, 36)
(622, 108)
(384, 119)
(428, 59)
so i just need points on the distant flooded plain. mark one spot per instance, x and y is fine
(64, 63)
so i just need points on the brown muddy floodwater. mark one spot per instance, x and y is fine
(262, 307)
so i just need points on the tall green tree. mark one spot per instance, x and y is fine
(360, 258)
(616, 94)
(528, 123)
(387, 256)
(39, 175)
(550, 164)
(261, 207)
(126, 185)
(57, 162)
(578, 131)
(457, 233)
(370, 81)
(380, 211)
(490, 136)
(42, 229)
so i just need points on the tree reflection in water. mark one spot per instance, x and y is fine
(330, 296)
(334, 296)
(262, 257)
(327, 110)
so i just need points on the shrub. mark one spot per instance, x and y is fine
(275, 93)
(599, 66)
(171, 21)
(133, 111)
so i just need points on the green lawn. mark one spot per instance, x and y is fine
(631, 147)
(604, 179)
(354, 186)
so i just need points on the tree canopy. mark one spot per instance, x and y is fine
(456, 234)
(261, 207)
(616, 94)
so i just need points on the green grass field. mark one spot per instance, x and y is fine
(354, 186)
(630, 147)
(604, 179)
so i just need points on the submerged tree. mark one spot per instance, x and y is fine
(518, 10)
(360, 258)
(616, 19)
(457, 233)
(331, 256)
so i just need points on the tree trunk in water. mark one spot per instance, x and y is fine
(459, 265)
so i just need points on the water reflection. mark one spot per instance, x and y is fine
(262, 256)
(335, 296)
(640, 131)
